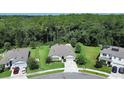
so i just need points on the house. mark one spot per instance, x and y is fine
(62, 51)
(15, 57)
(114, 56)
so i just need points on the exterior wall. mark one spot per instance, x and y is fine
(70, 58)
(116, 60)
(112, 58)
(56, 58)
(19, 64)
(59, 58)
(107, 56)
(7, 65)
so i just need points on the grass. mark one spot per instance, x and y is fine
(42, 53)
(4, 74)
(90, 72)
(30, 76)
(1, 50)
(0, 57)
(91, 54)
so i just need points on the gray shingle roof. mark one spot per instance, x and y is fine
(20, 54)
(61, 50)
(119, 53)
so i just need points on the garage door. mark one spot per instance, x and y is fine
(69, 58)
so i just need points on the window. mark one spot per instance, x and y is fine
(104, 54)
(121, 70)
(7, 64)
(119, 59)
(109, 55)
(114, 69)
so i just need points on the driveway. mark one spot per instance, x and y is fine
(65, 75)
(21, 74)
(70, 66)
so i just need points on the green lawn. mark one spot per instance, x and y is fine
(0, 57)
(42, 53)
(91, 54)
(4, 74)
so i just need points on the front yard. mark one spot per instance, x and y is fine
(41, 53)
(91, 54)
(6, 73)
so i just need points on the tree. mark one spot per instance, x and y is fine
(81, 60)
(33, 64)
(89, 29)
(7, 45)
(33, 44)
(99, 64)
(73, 42)
(78, 48)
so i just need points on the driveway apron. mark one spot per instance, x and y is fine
(70, 66)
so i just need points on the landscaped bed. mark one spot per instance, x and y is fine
(91, 54)
(41, 53)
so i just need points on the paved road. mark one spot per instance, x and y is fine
(64, 75)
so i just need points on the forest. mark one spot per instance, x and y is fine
(89, 29)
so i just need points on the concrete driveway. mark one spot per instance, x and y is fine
(64, 75)
(21, 74)
(70, 66)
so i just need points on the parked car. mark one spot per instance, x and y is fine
(16, 70)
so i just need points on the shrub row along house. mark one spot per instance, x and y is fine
(114, 56)
(62, 52)
(15, 58)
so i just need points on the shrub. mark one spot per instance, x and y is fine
(73, 42)
(33, 64)
(2, 50)
(2, 68)
(7, 45)
(48, 60)
(33, 45)
(99, 64)
(78, 48)
(81, 60)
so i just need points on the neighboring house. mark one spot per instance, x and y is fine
(114, 56)
(15, 58)
(62, 51)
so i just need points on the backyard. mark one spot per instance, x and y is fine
(41, 53)
(91, 54)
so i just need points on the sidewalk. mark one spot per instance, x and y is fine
(94, 71)
(40, 72)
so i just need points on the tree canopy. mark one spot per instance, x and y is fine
(89, 29)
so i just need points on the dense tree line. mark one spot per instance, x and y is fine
(89, 29)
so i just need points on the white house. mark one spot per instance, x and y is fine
(114, 56)
(62, 51)
(15, 58)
